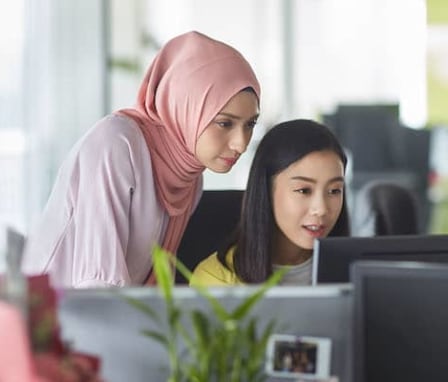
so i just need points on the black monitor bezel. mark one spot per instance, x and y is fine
(364, 270)
(394, 246)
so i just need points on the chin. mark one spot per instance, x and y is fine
(306, 244)
(220, 170)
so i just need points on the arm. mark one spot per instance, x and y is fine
(101, 195)
(103, 216)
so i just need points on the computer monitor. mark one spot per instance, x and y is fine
(333, 255)
(400, 322)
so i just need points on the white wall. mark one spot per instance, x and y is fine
(64, 80)
(308, 54)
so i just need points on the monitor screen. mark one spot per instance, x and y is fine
(400, 322)
(333, 255)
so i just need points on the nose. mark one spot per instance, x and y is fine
(318, 206)
(240, 138)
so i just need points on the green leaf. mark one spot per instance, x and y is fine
(142, 307)
(162, 269)
(221, 346)
(184, 271)
(258, 349)
(217, 307)
(221, 313)
(243, 309)
(155, 336)
(201, 326)
(174, 315)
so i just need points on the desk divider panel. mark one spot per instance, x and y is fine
(100, 322)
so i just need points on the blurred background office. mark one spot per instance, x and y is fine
(376, 71)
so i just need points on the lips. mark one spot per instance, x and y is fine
(229, 161)
(315, 230)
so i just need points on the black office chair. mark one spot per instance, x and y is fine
(214, 219)
(385, 208)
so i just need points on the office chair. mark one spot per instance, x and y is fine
(214, 219)
(385, 208)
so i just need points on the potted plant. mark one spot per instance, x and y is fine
(222, 346)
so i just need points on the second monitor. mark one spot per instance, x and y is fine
(333, 255)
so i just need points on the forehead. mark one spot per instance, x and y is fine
(318, 165)
(244, 102)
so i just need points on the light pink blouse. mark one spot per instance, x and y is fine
(110, 219)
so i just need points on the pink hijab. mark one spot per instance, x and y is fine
(190, 80)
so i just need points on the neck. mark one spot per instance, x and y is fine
(287, 253)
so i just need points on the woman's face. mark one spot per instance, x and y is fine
(307, 199)
(228, 134)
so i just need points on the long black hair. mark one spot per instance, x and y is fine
(281, 146)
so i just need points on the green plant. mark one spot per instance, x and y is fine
(224, 346)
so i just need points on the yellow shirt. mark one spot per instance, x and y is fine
(210, 272)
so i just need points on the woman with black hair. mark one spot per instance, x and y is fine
(294, 195)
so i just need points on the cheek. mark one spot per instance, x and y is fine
(336, 207)
(208, 141)
(248, 136)
(217, 138)
(286, 208)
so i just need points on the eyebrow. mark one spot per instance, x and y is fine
(230, 115)
(311, 180)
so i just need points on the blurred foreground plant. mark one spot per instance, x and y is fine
(223, 346)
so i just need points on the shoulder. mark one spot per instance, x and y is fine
(113, 131)
(210, 272)
(114, 147)
(113, 139)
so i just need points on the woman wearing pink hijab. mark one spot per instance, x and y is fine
(135, 177)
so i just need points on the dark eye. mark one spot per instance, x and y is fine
(304, 191)
(251, 124)
(335, 191)
(224, 124)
